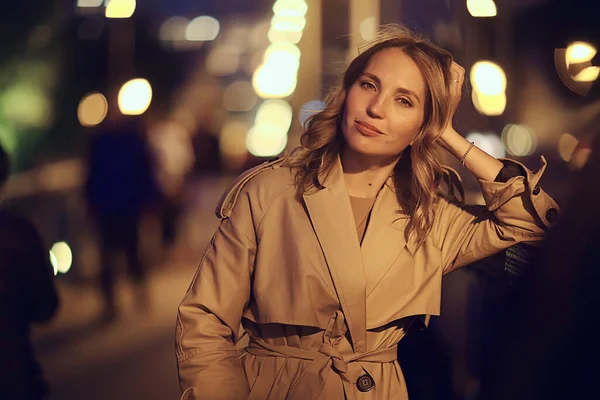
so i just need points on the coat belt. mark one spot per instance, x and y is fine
(323, 361)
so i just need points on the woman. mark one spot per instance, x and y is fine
(326, 257)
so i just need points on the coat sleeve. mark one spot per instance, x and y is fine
(515, 211)
(210, 314)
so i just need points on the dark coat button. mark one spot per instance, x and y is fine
(552, 215)
(365, 383)
(536, 190)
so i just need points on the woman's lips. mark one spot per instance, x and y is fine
(367, 129)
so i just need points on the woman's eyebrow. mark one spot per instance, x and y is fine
(398, 90)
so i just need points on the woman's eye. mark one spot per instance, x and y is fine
(404, 102)
(367, 85)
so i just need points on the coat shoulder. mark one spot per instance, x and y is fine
(259, 183)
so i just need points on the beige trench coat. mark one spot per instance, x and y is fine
(320, 310)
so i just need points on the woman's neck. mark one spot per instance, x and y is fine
(365, 175)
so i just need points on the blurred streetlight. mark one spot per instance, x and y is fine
(481, 8)
(92, 109)
(89, 3)
(202, 29)
(519, 140)
(63, 257)
(488, 142)
(135, 97)
(268, 136)
(579, 52)
(578, 57)
(489, 86)
(290, 8)
(488, 78)
(120, 9)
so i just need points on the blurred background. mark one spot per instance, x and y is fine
(126, 120)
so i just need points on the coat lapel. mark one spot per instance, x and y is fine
(384, 238)
(331, 215)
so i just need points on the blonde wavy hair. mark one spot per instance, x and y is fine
(419, 175)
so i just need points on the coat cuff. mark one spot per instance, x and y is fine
(498, 194)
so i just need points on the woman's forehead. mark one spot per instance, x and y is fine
(394, 67)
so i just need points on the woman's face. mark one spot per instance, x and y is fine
(385, 107)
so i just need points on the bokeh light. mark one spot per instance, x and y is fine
(489, 105)
(275, 112)
(481, 8)
(239, 96)
(566, 146)
(588, 74)
(368, 28)
(92, 109)
(202, 29)
(120, 9)
(26, 105)
(89, 3)
(135, 97)
(290, 8)
(578, 52)
(519, 140)
(63, 257)
(54, 262)
(232, 140)
(488, 78)
(266, 140)
(173, 29)
(288, 23)
(488, 142)
(277, 36)
(273, 81)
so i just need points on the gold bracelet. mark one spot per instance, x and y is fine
(462, 160)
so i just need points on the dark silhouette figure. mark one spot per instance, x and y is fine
(27, 295)
(120, 188)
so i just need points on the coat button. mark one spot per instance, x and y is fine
(365, 383)
(536, 190)
(552, 215)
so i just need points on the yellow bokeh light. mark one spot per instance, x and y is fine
(285, 48)
(232, 141)
(26, 105)
(202, 29)
(519, 140)
(275, 112)
(54, 262)
(239, 96)
(63, 256)
(290, 8)
(135, 97)
(488, 78)
(173, 29)
(89, 3)
(271, 81)
(589, 74)
(120, 9)
(368, 28)
(481, 8)
(566, 146)
(578, 52)
(277, 36)
(288, 23)
(265, 140)
(92, 109)
(489, 105)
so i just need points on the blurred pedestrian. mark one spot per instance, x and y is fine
(120, 189)
(27, 295)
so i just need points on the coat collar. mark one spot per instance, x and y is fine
(331, 215)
